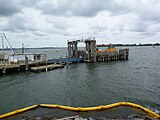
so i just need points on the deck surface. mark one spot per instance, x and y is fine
(46, 67)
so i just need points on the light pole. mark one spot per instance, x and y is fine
(23, 46)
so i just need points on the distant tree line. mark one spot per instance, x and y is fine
(105, 45)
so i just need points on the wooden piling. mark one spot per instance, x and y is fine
(26, 63)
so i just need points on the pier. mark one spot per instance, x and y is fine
(39, 62)
(93, 54)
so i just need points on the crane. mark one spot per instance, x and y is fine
(9, 43)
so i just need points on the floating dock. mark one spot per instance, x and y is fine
(46, 67)
(35, 66)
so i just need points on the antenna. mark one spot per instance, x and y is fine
(8, 43)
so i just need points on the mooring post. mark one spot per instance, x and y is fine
(127, 54)
(46, 59)
(61, 60)
(36, 61)
(67, 59)
(124, 54)
(26, 63)
(54, 60)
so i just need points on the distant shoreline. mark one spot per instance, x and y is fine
(36, 48)
(99, 45)
(128, 45)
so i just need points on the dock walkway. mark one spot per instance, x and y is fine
(46, 67)
(37, 66)
(34, 66)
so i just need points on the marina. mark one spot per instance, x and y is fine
(39, 62)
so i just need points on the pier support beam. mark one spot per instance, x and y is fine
(91, 50)
(72, 49)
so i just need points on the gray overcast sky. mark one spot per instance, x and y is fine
(39, 23)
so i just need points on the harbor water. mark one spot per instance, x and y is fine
(86, 84)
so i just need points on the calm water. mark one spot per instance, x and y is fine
(87, 84)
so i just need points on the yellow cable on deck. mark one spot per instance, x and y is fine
(151, 113)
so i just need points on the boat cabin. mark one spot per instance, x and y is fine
(31, 57)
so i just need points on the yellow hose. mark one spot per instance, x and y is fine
(151, 113)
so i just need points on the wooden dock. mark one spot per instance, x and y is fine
(46, 67)
(9, 68)
(34, 66)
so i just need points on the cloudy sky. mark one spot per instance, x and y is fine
(39, 23)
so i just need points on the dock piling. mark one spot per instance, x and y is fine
(26, 63)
